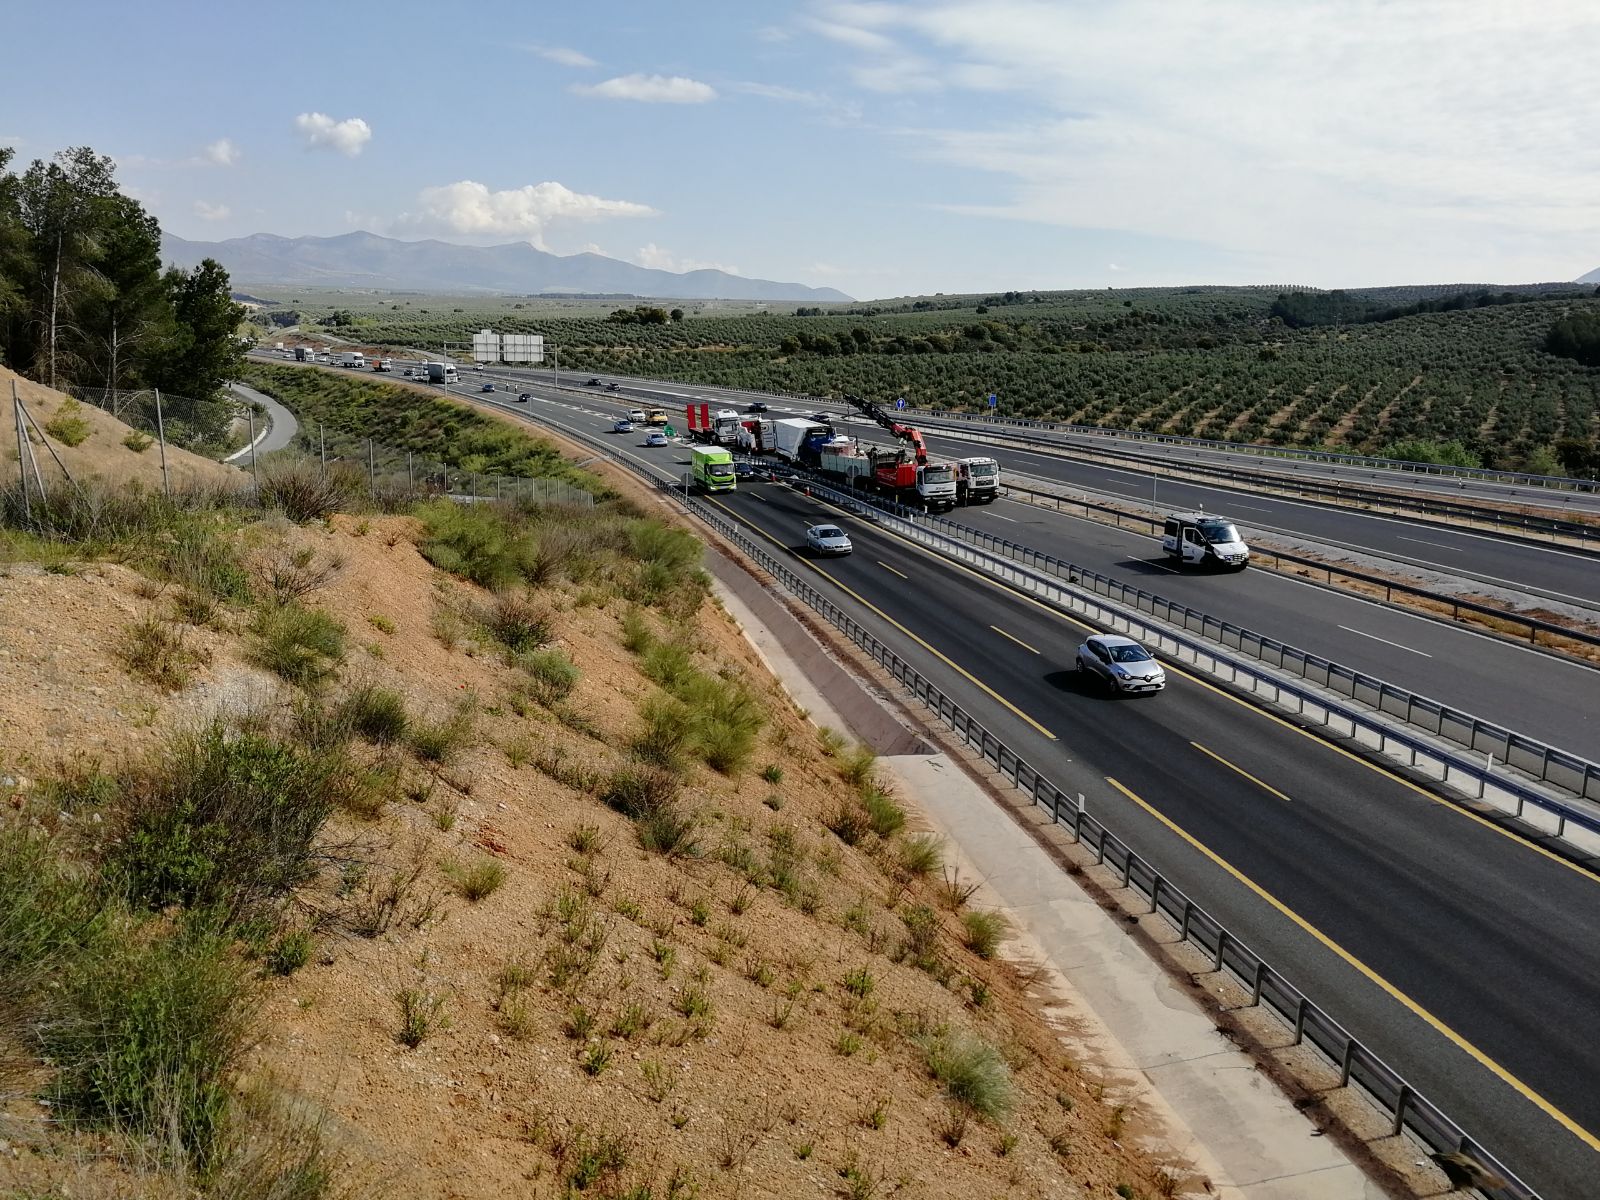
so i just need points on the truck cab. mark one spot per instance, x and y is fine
(712, 469)
(936, 485)
(1204, 540)
(656, 416)
(977, 480)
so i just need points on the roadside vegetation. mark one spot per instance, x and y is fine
(499, 799)
(1503, 378)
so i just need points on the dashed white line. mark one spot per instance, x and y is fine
(1003, 517)
(1251, 507)
(1425, 542)
(1385, 641)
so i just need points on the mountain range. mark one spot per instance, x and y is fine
(365, 260)
(1592, 277)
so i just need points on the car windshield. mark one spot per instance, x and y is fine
(940, 474)
(983, 470)
(1219, 531)
(1124, 654)
(828, 531)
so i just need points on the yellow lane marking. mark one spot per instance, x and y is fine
(887, 567)
(1310, 735)
(1533, 1097)
(873, 608)
(1266, 787)
(1017, 640)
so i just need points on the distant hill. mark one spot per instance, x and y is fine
(1592, 277)
(365, 260)
(1411, 293)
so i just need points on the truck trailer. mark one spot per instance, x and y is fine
(350, 358)
(441, 372)
(711, 467)
(756, 435)
(798, 440)
(303, 354)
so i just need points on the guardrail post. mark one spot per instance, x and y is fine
(1183, 923)
(1345, 1060)
(1255, 987)
(1127, 868)
(1400, 1104)
(1155, 892)
(1222, 946)
(1300, 1020)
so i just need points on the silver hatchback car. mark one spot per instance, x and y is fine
(1122, 664)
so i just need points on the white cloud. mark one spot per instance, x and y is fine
(222, 153)
(323, 132)
(468, 207)
(775, 91)
(1113, 267)
(657, 259)
(564, 55)
(1347, 141)
(652, 89)
(211, 212)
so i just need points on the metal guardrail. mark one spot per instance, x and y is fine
(1534, 625)
(1537, 530)
(1363, 461)
(1407, 1109)
(1553, 765)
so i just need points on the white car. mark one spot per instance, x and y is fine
(622, 427)
(827, 539)
(1122, 664)
(637, 416)
(656, 438)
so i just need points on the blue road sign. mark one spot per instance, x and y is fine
(994, 401)
(900, 403)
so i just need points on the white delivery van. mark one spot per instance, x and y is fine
(1204, 540)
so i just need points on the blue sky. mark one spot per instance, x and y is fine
(883, 148)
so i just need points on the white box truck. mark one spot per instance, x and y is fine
(442, 372)
(792, 434)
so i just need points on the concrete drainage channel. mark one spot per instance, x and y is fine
(1408, 1111)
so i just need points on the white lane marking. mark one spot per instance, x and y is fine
(1251, 507)
(1003, 517)
(1425, 542)
(1385, 641)
(1119, 483)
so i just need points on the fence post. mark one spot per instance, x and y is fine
(411, 479)
(22, 457)
(255, 473)
(322, 444)
(372, 472)
(161, 435)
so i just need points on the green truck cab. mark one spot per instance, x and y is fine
(712, 469)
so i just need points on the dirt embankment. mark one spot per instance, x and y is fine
(776, 1010)
(94, 445)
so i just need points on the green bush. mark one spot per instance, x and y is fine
(972, 1071)
(634, 791)
(222, 820)
(147, 1034)
(984, 931)
(48, 913)
(138, 442)
(884, 815)
(376, 713)
(67, 427)
(551, 675)
(441, 741)
(475, 881)
(517, 624)
(155, 651)
(304, 489)
(302, 645)
(922, 854)
(290, 952)
(474, 541)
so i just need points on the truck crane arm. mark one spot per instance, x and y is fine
(904, 433)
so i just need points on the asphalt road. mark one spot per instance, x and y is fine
(1544, 697)
(1489, 941)
(1557, 573)
(283, 428)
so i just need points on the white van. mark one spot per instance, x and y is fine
(1202, 539)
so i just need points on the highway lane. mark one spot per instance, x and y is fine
(1544, 697)
(1489, 937)
(1445, 909)
(1560, 574)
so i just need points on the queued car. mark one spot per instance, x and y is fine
(594, 381)
(613, 387)
(1121, 664)
(637, 416)
(525, 397)
(488, 387)
(622, 426)
(827, 539)
(826, 418)
(655, 438)
(756, 406)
